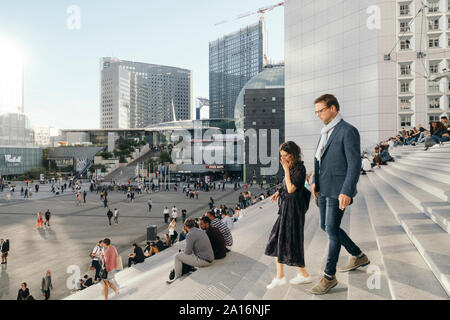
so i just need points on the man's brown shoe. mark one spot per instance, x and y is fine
(324, 286)
(355, 263)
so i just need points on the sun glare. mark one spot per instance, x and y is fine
(11, 76)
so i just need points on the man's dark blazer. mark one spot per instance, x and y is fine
(340, 167)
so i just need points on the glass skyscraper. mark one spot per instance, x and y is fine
(233, 60)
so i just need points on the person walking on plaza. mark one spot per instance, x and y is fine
(166, 215)
(183, 214)
(95, 255)
(109, 267)
(26, 193)
(79, 199)
(109, 214)
(150, 204)
(116, 216)
(4, 249)
(47, 215)
(337, 170)
(84, 196)
(286, 240)
(46, 285)
(105, 202)
(174, 213)
(40, 221)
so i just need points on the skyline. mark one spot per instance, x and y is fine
(62, 69)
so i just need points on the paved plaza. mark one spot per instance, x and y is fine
(76, 229)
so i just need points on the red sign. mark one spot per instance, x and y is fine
(215, 167)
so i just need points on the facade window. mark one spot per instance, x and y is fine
(404, 44)
(405, 104)
(274, 110)
(434, 67)
(433, 6)
(434, 103)
(404, 87)
(404, 9)
(405, 121)
(405, 69)
(433, 24)
(433, 43)
(434, 118)
(404, 27)
(274, 98)
(434, 86)
(254, 123)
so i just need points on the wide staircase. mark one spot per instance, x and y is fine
(399, 219)
(128, 172)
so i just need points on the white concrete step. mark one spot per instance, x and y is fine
(443, 171)
(408, 275)
(361, 282)
(426, 156)
(432, 163)
(427, 184)
(288, 292)
(419, 147)
(428, 203)
(431, 241)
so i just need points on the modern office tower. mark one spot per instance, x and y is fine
(233, 60)
(136, 95)
(342, 47)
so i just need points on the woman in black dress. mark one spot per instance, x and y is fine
(286, 239)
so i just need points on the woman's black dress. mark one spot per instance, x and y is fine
(286, 238)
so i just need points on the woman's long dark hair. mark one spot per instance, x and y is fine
(294, 150)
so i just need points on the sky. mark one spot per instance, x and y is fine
(62, 68)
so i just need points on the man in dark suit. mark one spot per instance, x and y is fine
(337, 169)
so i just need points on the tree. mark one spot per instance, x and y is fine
(165, 157)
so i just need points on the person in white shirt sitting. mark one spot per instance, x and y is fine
(227, 220)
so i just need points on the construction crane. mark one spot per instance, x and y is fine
(260, 11)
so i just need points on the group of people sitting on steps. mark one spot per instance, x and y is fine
(436, 135)
(207, 240)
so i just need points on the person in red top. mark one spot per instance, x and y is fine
(109, 260)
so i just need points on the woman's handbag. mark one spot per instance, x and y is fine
(306, 196)
(103, 274)
(119, 263)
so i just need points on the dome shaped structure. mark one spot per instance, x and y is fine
(270, 77)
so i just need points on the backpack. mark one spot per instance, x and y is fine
(186, 269)
(429, 142)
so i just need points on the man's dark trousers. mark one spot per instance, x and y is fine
(330, 222)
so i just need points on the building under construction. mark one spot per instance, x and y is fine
(233, 60)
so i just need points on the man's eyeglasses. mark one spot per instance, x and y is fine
(321, 110)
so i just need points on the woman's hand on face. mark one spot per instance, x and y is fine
(285, 165)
